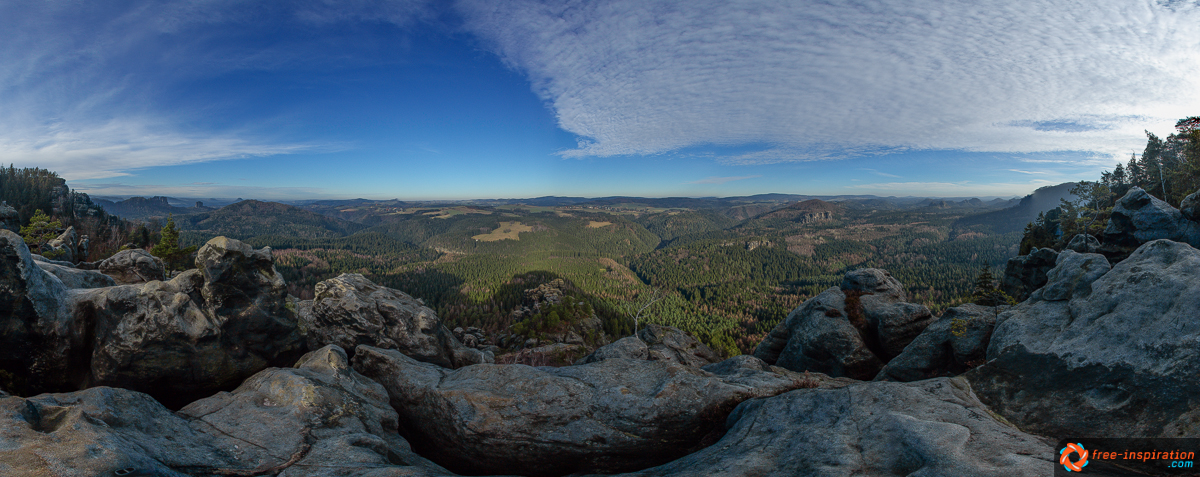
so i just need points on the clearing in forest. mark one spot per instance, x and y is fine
(506, 230)
(595, 225)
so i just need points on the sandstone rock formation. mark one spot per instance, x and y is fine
(37, 337)
(657, 343)
(1190, 207)
(957, 341)
(318, 419)
(133, 266)
(205, 330)
(1099, 352)
(1084, 243)
(933, 427)
(1138, 218)
(65, 247)
(609, 416)
(848, 331)
(350, 310)
(72, 277)
(10, 219)
(1027, 273)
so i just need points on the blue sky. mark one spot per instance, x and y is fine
(413, 99)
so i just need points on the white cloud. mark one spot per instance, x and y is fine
(85, 88)
(722, 180)
(822, 81)
(953, 189)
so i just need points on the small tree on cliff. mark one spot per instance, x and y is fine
(987, 293)
(168, 247)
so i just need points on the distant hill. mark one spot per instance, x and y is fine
(1014, 219)
(145, 208)
(811, 210)
(251, 218)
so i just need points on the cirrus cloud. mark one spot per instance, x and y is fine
(815, 78)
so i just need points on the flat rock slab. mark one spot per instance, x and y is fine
(609, 416)
(318, 419)
(935, 427)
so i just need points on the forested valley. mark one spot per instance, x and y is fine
(726, 270)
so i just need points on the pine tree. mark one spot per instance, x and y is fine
(987, 293)
(168, 247)
(41, 230)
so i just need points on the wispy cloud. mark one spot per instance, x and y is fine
(1029, 172)
(722, 180)
(817, 78)
(955, 189)
(87, 88)
(884, 174)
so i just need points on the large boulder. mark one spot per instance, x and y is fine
(1139, 217)
(935, 427)
(1190, 207)
(609, 416)
(350, 310)
(657, 343)
(205, 330)
(318, 419)
(951, 345)
(133, 266)
(1027, 273)
(39, 343)
(848, 331)
(72, 277)
(1100, 352)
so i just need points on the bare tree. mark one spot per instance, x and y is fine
(643, 304)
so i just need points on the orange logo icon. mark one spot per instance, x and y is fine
(1064, 457)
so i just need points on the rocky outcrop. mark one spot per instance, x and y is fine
(133, 266)
(1027, 273)
(609, 416)
(205, 330)
(1099, 352)
(10, 219)
(1084, 243)
(350, 310)
(72, 277)
(932, 427)
(848, 331)
(318, 419)
(956, 342)
(1190, 207)
(1138, 218)
(65, 247)
(657, 343)
(39, 343)
(587, 331)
